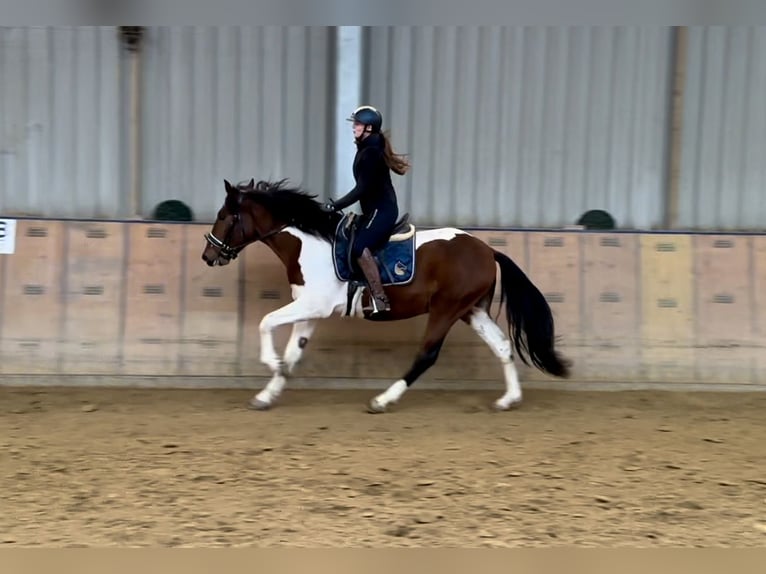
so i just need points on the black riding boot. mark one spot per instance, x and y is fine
(370, 269)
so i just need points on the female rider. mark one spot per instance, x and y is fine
(373, 163)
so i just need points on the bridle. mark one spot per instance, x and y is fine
(227, 251)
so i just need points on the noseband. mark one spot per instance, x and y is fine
(230, 253)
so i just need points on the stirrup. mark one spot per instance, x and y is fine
(375, 309)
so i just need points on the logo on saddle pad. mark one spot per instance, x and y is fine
(400, 269)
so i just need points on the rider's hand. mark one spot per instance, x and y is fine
(329, 206)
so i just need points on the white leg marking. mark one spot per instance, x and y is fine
(391, 395)
(494, 337)
(302, 313)
(269, 355)
(270, 393)
(302, 331)
(299, 310)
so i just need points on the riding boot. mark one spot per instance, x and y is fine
(370, 269)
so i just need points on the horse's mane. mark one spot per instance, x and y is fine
(294, 206)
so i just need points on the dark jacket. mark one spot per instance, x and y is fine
(373, 188)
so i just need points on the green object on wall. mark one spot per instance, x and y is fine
(172, 210)
(597, 219)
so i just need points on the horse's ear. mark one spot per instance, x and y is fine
(233, 196)
(233, 200)
(251, 185)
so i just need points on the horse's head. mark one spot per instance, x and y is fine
(258, 211)
(240, 221)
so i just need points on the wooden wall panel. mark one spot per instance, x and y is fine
(724, 309)
(515, 244)
(94, 284)
(758, 289)
(555, 267)
(667, 307)
(153, 300)
(136, 298)
(30, 340)
(612, 306)
(210, 318)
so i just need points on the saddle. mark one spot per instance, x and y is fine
(396, 259)
(403, 229)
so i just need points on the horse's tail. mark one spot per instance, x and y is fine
(530, 321)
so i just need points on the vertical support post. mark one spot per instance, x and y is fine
(131, 37)
(348, 92)
(680, 42)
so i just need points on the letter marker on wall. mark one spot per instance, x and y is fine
(7, 236)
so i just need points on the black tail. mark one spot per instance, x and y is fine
(530, 321)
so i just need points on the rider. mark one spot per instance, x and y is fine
(373, 163)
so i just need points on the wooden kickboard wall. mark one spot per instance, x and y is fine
(135, 298)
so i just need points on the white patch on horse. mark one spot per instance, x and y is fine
(494, 337)
(443, 234)
(390, 396)
(318, 298)
(315, 262)
(270, 392)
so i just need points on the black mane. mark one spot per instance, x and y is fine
(294, 206)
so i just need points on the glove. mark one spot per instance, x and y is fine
(329, 206)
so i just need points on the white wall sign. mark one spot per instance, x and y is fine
(7, 236)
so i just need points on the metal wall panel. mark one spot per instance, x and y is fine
(723, 173)
(234, 103)
(60, 121)
(505, 125)
(526, 126)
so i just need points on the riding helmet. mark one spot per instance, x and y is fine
(369, 116)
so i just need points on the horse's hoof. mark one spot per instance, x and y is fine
(375, 408)
(258, 405)
(500, 407)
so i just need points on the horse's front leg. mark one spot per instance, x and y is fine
(299, 338)
(302, 314)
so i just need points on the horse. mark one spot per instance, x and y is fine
(446, 273)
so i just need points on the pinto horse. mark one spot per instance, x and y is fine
(450, 275)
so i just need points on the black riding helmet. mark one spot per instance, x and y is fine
(368, 116)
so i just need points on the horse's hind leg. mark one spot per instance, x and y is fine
(494, 337)
(439, 324)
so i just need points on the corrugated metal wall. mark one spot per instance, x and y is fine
(723, 163)
(235, 103)
(506, 126)
(526, 126)
(60, 121)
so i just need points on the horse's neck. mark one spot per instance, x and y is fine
(286, 245)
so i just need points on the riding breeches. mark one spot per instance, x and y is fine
(373, 230)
